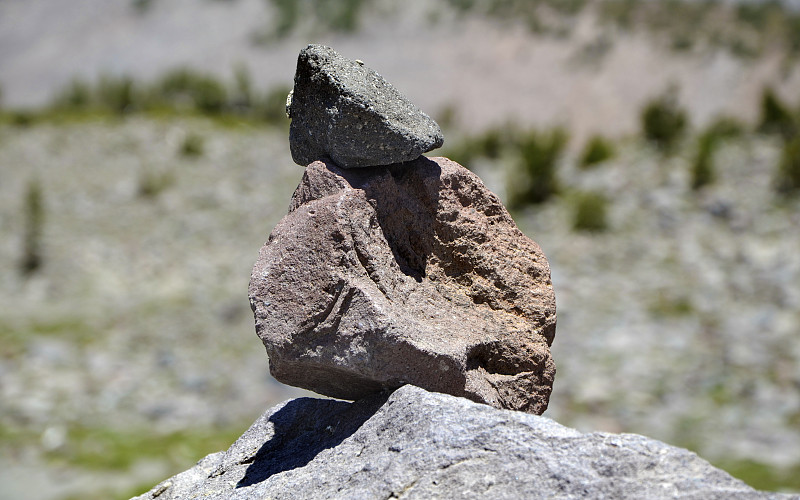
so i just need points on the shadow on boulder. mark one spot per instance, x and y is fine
(405, 197)
(303, 428)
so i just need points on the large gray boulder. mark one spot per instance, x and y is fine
(342, 110)
(417, 444)
(410, 273)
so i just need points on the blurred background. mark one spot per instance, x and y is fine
(650, 147)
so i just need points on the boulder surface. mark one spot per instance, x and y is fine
(417, 444)
(342, 110)
(410, 273)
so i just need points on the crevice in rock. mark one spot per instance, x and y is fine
(369, 266)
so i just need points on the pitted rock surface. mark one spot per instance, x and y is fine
(410, 273)
(347, 112)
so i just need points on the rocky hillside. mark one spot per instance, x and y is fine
(679, 321)
(589, 67)
(127, 348)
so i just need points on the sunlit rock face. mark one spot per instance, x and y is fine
(409, 273)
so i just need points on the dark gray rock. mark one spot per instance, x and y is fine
(410, 273)
(418, 444)
(347, 112)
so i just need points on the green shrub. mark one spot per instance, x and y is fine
(540, 16)
(597, 150)
(141, 6)
(153, 182)
(462, 5)
(33, 213)
(107, 449)
(622, 13)
(192, 145)
(666, 305)
(327, 15)
(762, 476)
(341, 15)
(726, 127)
(772, 21)
(776, 117)
(243, 95)
(179, 90)
(788, 176)
(703, 164)
(272, 107)
(682, 42)
(793, 29)
(534, 178)
(21, 118)
(116, 93)
(755, 14)
(287, 15)
(664, 122)
(463, 153)
(591, 211)
(447, 116)
(209, 96)
(77, 95)
(490, 144)
(702, 170)
(200, 91)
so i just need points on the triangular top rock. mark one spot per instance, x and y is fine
(345, 111)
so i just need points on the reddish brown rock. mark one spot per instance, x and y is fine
(410, 273)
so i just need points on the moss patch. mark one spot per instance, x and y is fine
(112, 449)
(14, 336)
(762, 476)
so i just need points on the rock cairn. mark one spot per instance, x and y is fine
(405, 270)
(402, 274)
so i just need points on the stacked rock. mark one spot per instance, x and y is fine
(392, 268)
